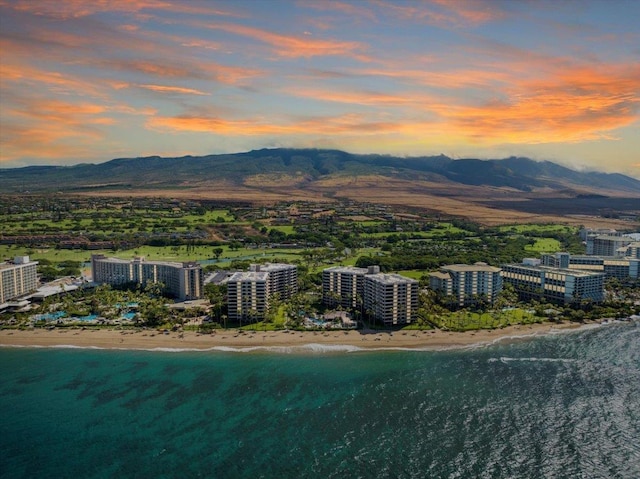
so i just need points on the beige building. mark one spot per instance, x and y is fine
(466, 283)
(344, 286)
(18, 278)
(558, 285)
(182, 280)
(283, 278)
(248, 296)
(391, 298)
(249, 292)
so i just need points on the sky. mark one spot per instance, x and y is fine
(88, 81)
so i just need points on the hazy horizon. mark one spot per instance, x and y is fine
(86, 82)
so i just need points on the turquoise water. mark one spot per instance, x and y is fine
(563, 406)
(50, 316)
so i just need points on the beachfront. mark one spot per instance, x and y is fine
(235, 339)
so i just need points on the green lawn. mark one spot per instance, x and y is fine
(413, 273)
(287, 229)
(155, 253)
(544, 245)
(537, 228)
(467, 321)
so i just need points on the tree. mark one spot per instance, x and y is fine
(217, 252)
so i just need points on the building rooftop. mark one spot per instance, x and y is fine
(140, 260)
(272, 267)
(572, 272)
(391, 278)
(440, 274)
(614, 238)
(249, 276)
(462, 268)
(14, 264)
(347, 269)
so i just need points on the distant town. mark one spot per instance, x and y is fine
(173, 264)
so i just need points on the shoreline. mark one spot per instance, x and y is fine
(276, 341)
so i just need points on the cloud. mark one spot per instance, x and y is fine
(290, 46)
(445, 13)
(173, 89)
(335, 125)
(83, 8)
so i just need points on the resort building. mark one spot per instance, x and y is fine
(283, 278)
(248, 296)
(633, 250)
(344, 285)
(17, 278)
(607, 245)
(467, 283)
(557, 285)
(182, 280)
(612, 267)
(390, 298)
(249, 292)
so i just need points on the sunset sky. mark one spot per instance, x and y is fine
(88, 81)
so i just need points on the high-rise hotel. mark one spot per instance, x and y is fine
(388, 298)
(249, 292)
(182, 280)
(17, 278)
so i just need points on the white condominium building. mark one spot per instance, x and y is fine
(390, 298)
(612, 267)
(249, 292)
(182, 280)
(344, 286)
(283, 278)
(558, 285)
(607, 245)
(467, 283)
(18, 278)
(248, 296)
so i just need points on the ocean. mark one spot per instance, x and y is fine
(560, 406)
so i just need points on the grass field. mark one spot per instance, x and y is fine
(413, 273)
(287, 229)
(155, 253)
(544, 245)
(467, 321)
(535, 228)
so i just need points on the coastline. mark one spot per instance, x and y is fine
(279, 341)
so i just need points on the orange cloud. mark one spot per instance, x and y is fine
(445, 13)
(173, 89)
(82, 8)
(292, 46)
(46, 128)
(336, 125)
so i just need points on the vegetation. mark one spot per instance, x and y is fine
(61, 234)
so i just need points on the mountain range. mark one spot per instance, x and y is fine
(306, 168)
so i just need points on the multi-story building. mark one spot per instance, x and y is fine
(18, 278)
(612, 267)
(607, 245)
(344, 285)
(248, 295)
(249, 292)
(182, 280)
(558, 285)
(633, 250)
(390, 298)
(467, 283)
(283, 278)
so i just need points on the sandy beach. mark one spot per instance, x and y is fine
(287, 340)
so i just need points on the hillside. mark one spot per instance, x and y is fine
(512, 189)
(308, 165)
